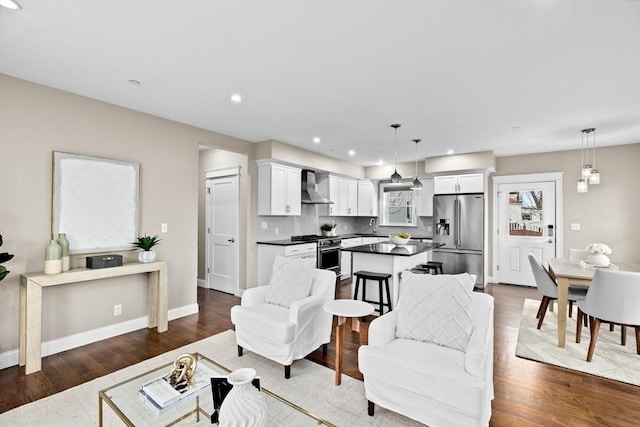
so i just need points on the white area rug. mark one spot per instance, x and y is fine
(610, 359)
(311, 386)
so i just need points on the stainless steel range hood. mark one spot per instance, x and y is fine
(309, 193)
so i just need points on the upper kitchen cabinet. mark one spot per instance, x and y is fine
(454, 184)
(425, 198)
(368, 199)
(279, 189)
(343, 192)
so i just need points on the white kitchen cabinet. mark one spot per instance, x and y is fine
(267, 254)
(345, 257)
(454, 184)
(343, 192)
(367, 199)
(425, 198)
(279, 189)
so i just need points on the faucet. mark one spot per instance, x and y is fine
(372, 224)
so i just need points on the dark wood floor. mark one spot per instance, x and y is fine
(527, 393)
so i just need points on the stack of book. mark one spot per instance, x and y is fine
(159, 394)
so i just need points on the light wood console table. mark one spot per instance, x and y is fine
(31, 285)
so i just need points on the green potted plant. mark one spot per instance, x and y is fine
(328, 229)
(4, 257)
(146, 243)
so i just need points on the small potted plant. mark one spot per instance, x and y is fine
(328, 229)
(4, 257)
(146, 243)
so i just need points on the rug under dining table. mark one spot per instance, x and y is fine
(610, 359)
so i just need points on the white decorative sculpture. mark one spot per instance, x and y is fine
(599, 252)
(244, 406)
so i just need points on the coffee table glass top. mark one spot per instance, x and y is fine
(123, 399)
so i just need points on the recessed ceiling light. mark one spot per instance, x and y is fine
(10, 4)
(131, 82)
(236, 98)
(450, 151)
(316, 140)
(352, 153)
(380, 162)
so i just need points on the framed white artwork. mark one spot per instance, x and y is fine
(95, 202)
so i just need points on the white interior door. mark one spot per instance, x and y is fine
(222, 238)
(526, 224)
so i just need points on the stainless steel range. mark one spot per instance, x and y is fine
(328, 257)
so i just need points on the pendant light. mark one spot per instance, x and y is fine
(586, 167)
(396, 178)
(417, 185)
(594, 178)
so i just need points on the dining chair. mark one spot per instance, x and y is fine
(549, 289)
(614, 296)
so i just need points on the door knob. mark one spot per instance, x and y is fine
(550, 241)
(231, 240)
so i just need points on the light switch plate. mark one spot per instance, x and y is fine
(264, 225)
(575, 226)
(163, 227)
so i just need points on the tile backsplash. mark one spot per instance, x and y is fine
(283, 227)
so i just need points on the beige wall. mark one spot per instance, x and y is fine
(36, 120)
(608, 213)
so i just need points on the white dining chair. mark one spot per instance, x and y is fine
(614, 296)
(549, 289)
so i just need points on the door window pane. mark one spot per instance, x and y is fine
(525, 213)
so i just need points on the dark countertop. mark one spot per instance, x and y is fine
(288, 242)
(411, 248)
(283, 242)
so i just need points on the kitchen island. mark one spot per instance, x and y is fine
(385, 257)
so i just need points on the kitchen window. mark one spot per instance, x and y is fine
(397, 205)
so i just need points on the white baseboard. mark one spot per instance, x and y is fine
(202, 283)
(11, 357)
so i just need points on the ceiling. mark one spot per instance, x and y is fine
(511, 76)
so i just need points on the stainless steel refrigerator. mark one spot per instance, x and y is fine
(458, 224)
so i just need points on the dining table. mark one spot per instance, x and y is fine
(569, 271)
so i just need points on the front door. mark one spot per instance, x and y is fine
(526, 224)
(222, 238)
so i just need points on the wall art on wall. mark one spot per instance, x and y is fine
(95, 202)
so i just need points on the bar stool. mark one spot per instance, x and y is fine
(434, 266)
(379, 277)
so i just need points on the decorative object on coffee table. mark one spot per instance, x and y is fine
(146, 243)
(64, 244)
(53, 258)
(244, 405)
(4, 257)
(182, 372)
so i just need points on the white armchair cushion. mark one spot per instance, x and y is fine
(435, 308)
(290, 281)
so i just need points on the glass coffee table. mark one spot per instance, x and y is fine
(123, 399)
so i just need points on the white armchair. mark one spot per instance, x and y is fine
(284, 334)
(431, 383)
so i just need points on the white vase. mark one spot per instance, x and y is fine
(244, 405)
(147, 256)
(599, 260)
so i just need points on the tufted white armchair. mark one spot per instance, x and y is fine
(285, 334)
(431, 383)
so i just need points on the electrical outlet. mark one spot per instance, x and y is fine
(264, 225)
(117, 309)
(575, 226)
(345, 227)
(277, 231)
(163, 228)
(429, 229)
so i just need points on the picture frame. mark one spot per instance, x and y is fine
(95, 202)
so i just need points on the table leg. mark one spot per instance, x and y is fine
(339, 347)
(99, 410)
(31, 322)
(563, 286)
(157, 299)
(23, 322)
